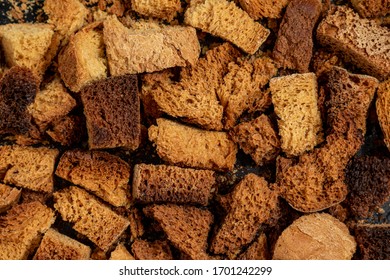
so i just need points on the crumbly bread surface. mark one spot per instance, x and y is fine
(28, 167)
(383, 110)
(294, 45)
(258, 139)
(224, 19)
(258, 9)
(361, 41)
(82, 61)
(9, 196)
(21, 229)
(89, 216)
(166, 9)
(323, 61)
(371, 8)
(373, 241)
(187, 227)
(151, 250)
(105, 175)
(252, 203)
(18, 89)
(68, 130)
(57, 246)
(183, 145)
(164, 183)
(132, 51)
(121, 253)
(295, 100)
(320, 237)
(258, 250)
(112, 112)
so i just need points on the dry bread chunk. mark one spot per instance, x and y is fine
(294, 45)
(252, 203)
(164, 183)
(83, 61)
(112, 111)
(68, 16)
(373, 241)
(183, 145)
(258, 250)
(315, 237)
(68, 130)
(194, 98)
(9, 196)
(21, 229)
(258, 139)
(186, 227)
(131, 51)
(371, 8)
(28, 167)
(323, 61)
(350, 96)
(166, 9)
(51, 103)
(368, 180)
(361, 41)
(383, 110)
(57, 246)
(106, 175)
(224, 19)
(121, 253)
(29, 45)
(18, 88)
(151, 250)
(89, 216)
(295, 100)
(258, 9)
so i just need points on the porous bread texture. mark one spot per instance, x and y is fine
(105, 175)
(317, 236)
(349, 98)
(89, 216)
(373, 241)
(295, 100)
(9, 196)
(28, 167)
(21, 229)
(186, 227)
(258, 139)
(83, 60)
(68, 16)
(132, 51)
(165, 9)
(121, 253)
(371, 8)
(358, 40)
(294, 44)
(51, 103)
(383, 110)
(258, 9)
(30, 45)
(57, 246)
(18, 89)
(112, 112)
(137, 228)
(68, 130)
(251, 204)
(258, 250)
(164, 183)
(151, 250)
(187, 146)
(224, 19)
(368, 180)
(322, 61)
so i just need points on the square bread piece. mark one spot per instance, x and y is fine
(112, 112)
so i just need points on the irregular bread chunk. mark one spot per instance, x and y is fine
(9, 196)
(57, 246)
(258, 9)
(383, 110)
(67, 131)
(21, 229)
(166, 9)
(28, 167)
(315, 237)
(151, 250)
(224, 19)
(371, 8)
(121, 253)
(183, 145)
(132, 51)
(373, 241)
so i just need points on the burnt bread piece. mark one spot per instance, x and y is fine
(373, 241)
(105, 175)
(18, 88)
(112, 112)
(9, 196)
(164, 183)
(294, 45)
